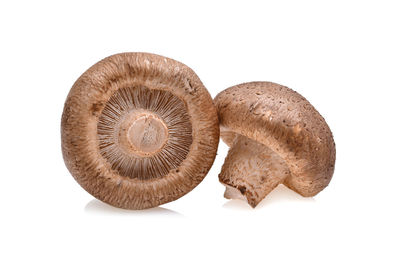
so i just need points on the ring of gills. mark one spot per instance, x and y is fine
(144, 133)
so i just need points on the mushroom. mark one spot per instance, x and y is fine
(139, 130)
(275, 136)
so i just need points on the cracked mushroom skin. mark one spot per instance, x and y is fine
(275, 137)
(139, 130)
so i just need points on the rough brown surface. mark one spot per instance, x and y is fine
(103, 100)
(292, 140)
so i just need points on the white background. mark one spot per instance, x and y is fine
(343, 56)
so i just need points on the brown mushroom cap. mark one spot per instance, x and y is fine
(139, 130)
(276, 136)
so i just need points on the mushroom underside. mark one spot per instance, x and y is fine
(139, 130)
(251, 171)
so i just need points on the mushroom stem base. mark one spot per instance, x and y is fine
(251, 171)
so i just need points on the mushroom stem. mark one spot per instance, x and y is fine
(143, 133)
(251, 171)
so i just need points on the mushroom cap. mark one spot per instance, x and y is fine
(285, 122)
(139, 130)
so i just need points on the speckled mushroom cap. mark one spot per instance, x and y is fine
(276, 136)
(139, 130)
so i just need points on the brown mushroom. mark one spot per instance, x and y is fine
(139, 130)
(275, 136)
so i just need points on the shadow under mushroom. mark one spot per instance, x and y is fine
(97, 207)
(279, 194)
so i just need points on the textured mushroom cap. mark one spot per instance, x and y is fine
(172, 97)
(285, 122)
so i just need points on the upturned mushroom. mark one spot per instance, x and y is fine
(275, 136)
(139, 130)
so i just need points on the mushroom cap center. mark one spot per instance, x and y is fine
(144, 134)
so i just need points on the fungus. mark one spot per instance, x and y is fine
(275, 136)
(139, 130)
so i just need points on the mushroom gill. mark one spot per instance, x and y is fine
(144, 133)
